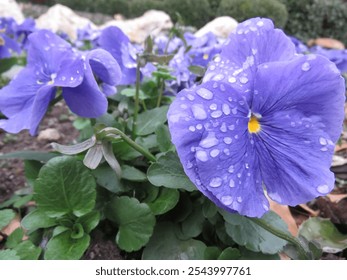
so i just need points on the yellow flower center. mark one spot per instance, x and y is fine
(253, 125)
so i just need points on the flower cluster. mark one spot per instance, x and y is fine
(264, 120)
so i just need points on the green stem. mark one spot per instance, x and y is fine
(160, 89)
(137, 100)
(56, 100)
(112, 132)
(268, 227)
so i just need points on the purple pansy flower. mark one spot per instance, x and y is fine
(8, 44)
(299, 46)
(264, 118)
(118, 44)
(339, 57)
(52, 64)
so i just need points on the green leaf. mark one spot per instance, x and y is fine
(166, 200)
(324, 233)
(30, 155)
(77, 231)
(8, 255)
(230, 254)
(130, 92)
(22, 200)
(6, 216)
(163, 138)
(249, 255)
(161, 59)
(14, 238)
(37, 219)
(193, 225)
(106, 177)
(209, 209)
(133, 174)
(7, 63)
(212, 253)
(135, 220)
(246, 233)
(89, 221)
(168, 172)
(148, 121)
(65, 186)
(26, 250)
(63, 247)
(164, 245)
(31, 170)
(197, 70)
(124, 151)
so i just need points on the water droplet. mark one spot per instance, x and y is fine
(216, 182)
(199, 126)
(227, 140)
(322, 141)
(241, 102)
(231, 127)
(234, 110)
(324, 149)
(311, 56)
(183, 106)
(214, 153)
(238, 175)
(216, 114)
(236, 136)
(226, 151)
(266, 207)
(190, 97)
(217, 59)
(222, 87)
(246, 165)
(215, 85)
(192, 128)
(243, 80)
(323, 189)
(231, 169)
(212, 67)
(213, 106)
(189, 165)
(226, 109)
(305, 67)
(254, 51)
(232, 80)
(231, 183)
(275, 197)
(239, 199)
(260, 23)
(226, 200)
(205, 93)
(202, 156)
(218, 77)
(209, 141)
(199, 112)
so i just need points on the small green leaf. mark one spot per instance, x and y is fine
(7, 63)
(14, 238)
(37, 219)
(6, 216)
(168, 172)
(107, 178)
(161, 59)
(65, 186)
(166, 200)
(209, 209)
(230, 254)
(77, 231)
(163, 138)
(193, 225)
(164, 245)
(31, 170)
(130, 92)
(246, 233)
(89, 221)
(148, 121)
(124, 151)
(59, 230)
(325, 234)
(249, 255)
(22, 201)
(212, 253)
(30, 155)
(8, 255)
(63, 247)
(26, 250)
(135, 220)
(133, 174)
(197, 70)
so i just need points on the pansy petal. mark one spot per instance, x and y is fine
(70, 74)
(313, 86)
(295, 156)
(86, 100)
(104, 66)
(254, 42)
(208, 125)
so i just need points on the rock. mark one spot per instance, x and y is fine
(10, 8)
(328, 43)
(49, 134)
(63, 19)
(152, 23)
(220, 26)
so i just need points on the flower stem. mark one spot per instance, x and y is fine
(137, 100)
(112, 132)
(296, 242)
(160, 91)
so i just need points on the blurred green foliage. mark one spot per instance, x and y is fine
(244, 9)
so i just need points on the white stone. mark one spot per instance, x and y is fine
(49, 134)
(152, 23)
(10, 8)
(60, 18)
(220, 26)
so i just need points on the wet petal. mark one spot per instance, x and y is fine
(313, 87)
(208, 125)
(295, 155)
